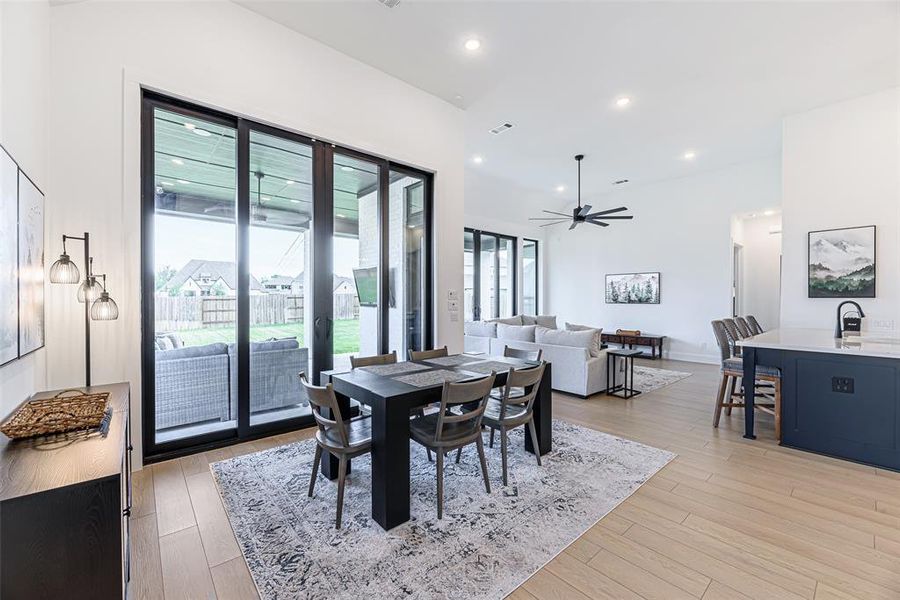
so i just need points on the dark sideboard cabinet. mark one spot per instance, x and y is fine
(65, 505)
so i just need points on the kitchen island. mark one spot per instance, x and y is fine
(840, 397)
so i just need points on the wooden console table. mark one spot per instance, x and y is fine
(653, 341)
(65, 503)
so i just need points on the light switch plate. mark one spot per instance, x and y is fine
(454, 315)
(452, 295)
(453, 305)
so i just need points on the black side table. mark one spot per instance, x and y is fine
(623, 390)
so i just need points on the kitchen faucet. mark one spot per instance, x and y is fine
(838, 327)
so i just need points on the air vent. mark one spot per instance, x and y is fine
(501, 128)
(620, 182)
(390, 3)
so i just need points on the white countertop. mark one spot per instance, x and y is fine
(823, 340)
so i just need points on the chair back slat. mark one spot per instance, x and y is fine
(733, 336)
(722, 340)
(529, 379)
(743, 327)
(755, 327)
(369, 361)
(323, 397)
(523, 354)
(465, 392)
(426, 354)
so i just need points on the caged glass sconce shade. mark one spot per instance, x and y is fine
(104, 308)
(64, 271)
(89, 290)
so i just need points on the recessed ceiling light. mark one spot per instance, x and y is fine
(190, 126)
(202, 132)
(183, 181)
(690, 155)
(623, 101)
(177, 161)
(769, 213)
(473, 44)
(346, 168)
(477, 159)
(289, 182)
(340, 216)
(295, 201)
(560, 188)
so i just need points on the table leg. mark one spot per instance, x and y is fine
(390, 464)
(329, 462)
(749, 358)
(543, 414)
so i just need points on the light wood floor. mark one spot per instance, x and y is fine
(729, 518)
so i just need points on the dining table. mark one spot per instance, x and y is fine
(392, 391)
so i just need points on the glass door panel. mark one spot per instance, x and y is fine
(469, 305)
(506, 276)
(529, 277)
(355, 254)
(195, 285)
(487, 267)
(281, 227)
(406, 263)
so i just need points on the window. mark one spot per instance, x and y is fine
(489, 272)
(529, 277)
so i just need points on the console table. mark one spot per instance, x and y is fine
(653, 341)
(65, 503)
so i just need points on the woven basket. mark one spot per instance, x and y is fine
(69, 410)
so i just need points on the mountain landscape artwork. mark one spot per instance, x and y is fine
(632, 288)
(842, 263)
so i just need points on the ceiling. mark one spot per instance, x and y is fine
(714, 78)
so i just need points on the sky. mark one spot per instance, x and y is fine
(272, 251)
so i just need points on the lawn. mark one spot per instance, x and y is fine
(346, 335)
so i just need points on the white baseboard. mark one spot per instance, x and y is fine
(706, 359)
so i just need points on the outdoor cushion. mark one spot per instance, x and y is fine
(192, 352)
(736, 364)
(480, 328)
(561, 337)
(597, 346)
(521, 333)
(548, 321)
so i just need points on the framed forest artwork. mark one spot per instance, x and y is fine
(842, 263)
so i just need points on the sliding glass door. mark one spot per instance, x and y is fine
(266, 254)
(489, 271)
(529, 277)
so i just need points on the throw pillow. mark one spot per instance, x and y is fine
(164, 342)
(516, 320)
(481, 329)
(519, 333)
(561, 337)
(546, 321)
(597, 344)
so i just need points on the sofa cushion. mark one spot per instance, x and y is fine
(481, 329)
(192, 352)
(516, 320)
(522, 333)
(548, 321)
(597, 346)
(561, 337)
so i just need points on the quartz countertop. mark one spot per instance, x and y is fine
(823, 340)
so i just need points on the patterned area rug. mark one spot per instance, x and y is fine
(485, 546)
(647, 379)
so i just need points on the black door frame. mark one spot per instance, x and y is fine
(322, 278)
(476, 271)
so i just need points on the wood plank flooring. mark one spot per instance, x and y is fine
(728, 519)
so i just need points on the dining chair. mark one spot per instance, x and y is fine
(534, 355)
(513, 411)
(336, 436)
(768, 381)
(426, 354)
(743, 327)
(755, 327)
(445, 431)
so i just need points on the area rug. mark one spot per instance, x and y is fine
(647, 379)
(485, 546)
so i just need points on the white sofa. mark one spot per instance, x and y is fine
(574, 370)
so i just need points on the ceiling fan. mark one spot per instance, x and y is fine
(582, 214)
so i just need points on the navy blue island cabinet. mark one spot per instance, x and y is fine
(840, 397)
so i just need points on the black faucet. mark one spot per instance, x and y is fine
(839, 326)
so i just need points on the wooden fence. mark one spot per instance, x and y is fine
(174, 313)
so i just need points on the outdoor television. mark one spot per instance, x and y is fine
(367, 286)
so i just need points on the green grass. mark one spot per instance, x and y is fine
(346, 335)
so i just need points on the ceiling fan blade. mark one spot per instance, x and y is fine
(611, 210)
(584, 210)
(558, 213)
(596, 216)
(573, 225)
(556, 223)
(600, 223)
(544, 218)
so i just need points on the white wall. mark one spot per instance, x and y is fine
(681, 228)
(225, 56)
(24, 69)
(760, 239)
(841, 166)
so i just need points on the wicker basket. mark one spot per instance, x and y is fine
(69, 410)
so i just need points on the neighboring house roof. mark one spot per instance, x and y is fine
(339, 281)
(214, 269)
(278, 280)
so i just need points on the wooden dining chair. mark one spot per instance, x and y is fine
(341, 438)
(426, 354)
(369, 361)
(755, 327)
(445, 431)
(533, 355)
(768, 382)
(743, 327)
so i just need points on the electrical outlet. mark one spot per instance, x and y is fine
(842, 385)
(883, 324)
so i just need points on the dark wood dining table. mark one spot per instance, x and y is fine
(391, 397)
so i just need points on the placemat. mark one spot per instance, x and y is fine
(487, 366)
(430, 378)
(453, 361)
(394, 368)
